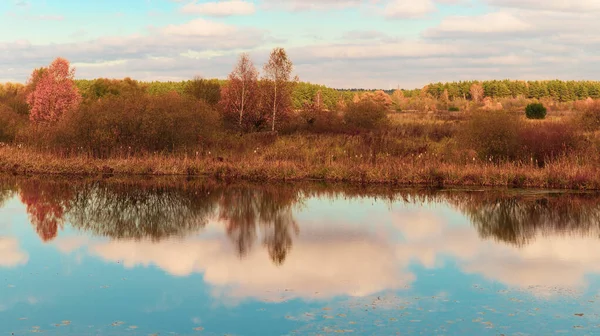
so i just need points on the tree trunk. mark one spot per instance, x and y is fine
(274, 107)
(242, 107)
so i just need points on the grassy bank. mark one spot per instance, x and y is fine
(280, 162)
(460, 134)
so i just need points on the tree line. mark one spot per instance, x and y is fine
(304, 92)
(561, 91)
(207, 89)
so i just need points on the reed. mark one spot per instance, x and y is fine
(329, 158)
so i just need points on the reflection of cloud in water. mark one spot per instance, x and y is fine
(319, 266)
(10, 253)
(70, 244)
(359, 259)
(549, 260)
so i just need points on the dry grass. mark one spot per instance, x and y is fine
(295, 158)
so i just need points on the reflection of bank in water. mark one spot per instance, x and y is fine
(157, 209)
(517, 218)
(142, 210)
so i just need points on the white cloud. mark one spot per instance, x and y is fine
(10, 253)
(375, 50)
(220, 8)
(552, 5)
(454, 2)
(141, 56)
(199, 27)
(487, 24)
(401, 9)
(357, 35)
(307, 5)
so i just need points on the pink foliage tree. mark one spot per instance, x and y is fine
(52, 92)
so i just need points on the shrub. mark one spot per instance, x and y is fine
(535, 111)
(439, 131)
(318, 120)
(15, 97)
(165, 122)
(494, 135)
(515, 105)
(365, 114)
(453, 109)
(379, 97)
(544, 141)
(10, 123)
(589, 119)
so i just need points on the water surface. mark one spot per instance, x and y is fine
(162, 256)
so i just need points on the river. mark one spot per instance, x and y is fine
(172, 256)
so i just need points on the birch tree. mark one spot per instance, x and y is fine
(240, 96)
(278, 71)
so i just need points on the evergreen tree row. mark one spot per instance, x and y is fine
(556, 89)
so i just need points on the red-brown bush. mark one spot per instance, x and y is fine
(10, 124)
(365, 114)
(589, 118)
(545, 141)
(131, 124)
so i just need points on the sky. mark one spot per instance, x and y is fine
(340, 43)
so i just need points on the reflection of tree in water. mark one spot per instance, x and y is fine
(154, 210)
(511, 216)
(130, 211)
(278, 238)
(159, 210)
(46, 204)
(7, 190)
(517, 219)
(238, 210)
(245, 210)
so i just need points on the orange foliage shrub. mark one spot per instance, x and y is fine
(476, 92)
(494, 135)
(318, 120)
(379, 97)
(135, 123)
(366, 114)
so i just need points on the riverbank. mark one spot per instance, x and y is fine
(424, 170)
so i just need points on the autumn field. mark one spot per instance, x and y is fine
(274, 127)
